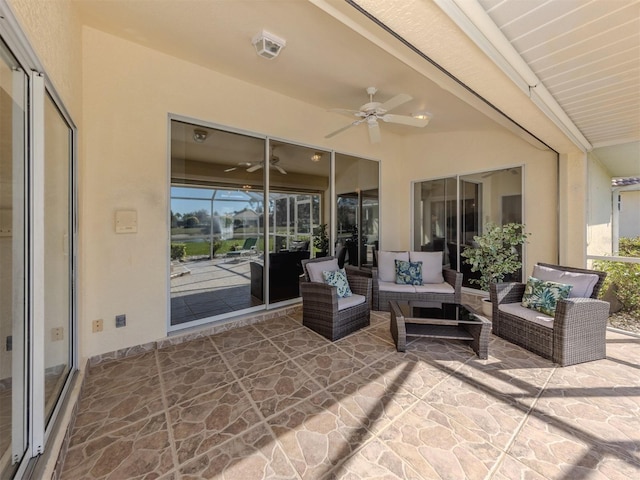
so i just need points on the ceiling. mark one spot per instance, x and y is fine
(332, 56)
(586, 53)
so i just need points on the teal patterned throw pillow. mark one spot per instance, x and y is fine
(408, 273)
(338, 279)
(543, 296)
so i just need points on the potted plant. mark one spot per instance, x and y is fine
(321, 240)
(495, 253)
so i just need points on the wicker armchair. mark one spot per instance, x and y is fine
(321, 307)
(576, 333)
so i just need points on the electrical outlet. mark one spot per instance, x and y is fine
(97, 326)
(57, 334)
(121, 320)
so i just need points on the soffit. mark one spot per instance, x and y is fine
(587, 54)
(611, 125)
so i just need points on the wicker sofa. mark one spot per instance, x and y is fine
(323, 311)
(440, 284)
(575, 334)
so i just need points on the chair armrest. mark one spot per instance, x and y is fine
(319, 296)
(360, 285)
(580, 312)
(453, 278)
(511, 292)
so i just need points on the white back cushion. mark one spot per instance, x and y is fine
(431, 266)
(387, 264)
(315, 269)
(583, 283)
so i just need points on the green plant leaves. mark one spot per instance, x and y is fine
(495, 254)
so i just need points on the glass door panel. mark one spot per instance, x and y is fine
(436, 218)
(369, 220)
(217, 223)
(295, 207)
(357, 183)
(444, 207)
(57, 255)
(13, 392)
(492, 197)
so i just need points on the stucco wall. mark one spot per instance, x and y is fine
(630, 214)
(129, 90)
(127, 93)
(572, 209)
(599, 234)
(54, 31)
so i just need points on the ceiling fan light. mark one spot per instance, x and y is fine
(199, 136)
(421, 115)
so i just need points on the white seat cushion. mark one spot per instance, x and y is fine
(583, 283)
(351, 301)
(443, 287)
(387, 264)
(528, 314)
(395, 287)
(431, 265)
(315, 269)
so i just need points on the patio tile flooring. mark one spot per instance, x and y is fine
(275, 400)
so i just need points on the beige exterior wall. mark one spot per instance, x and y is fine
(599, 233)
(630, 214)
(127, 92)
(54, 31)
(573, 211)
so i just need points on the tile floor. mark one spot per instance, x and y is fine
(275, 400)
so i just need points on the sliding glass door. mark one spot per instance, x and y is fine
(357, 211)
(245, 211)
(450, 212)
(13, 257)
(58, 255)
(37, 261)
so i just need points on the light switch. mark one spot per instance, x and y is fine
(126, 221)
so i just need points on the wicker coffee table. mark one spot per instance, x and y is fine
(450, 321)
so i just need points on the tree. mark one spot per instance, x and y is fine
(191, 222)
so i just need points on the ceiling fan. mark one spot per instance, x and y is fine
(371, 112)
(252, 167)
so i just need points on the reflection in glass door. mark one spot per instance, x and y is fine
(449, 212)
(13, 405)
(357, 186)
(57, 255)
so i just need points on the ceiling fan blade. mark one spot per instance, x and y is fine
(405, 120)
(346, 112)
(396, 101)
(280, 169)
(227, 170)
(374, 132)
(340, 130)
(254, 167)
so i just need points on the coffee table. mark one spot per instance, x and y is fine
(450, 321)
